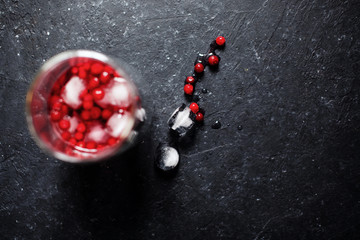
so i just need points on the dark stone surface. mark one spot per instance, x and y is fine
(289, 75)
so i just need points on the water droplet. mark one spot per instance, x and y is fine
(204, 90)
(240, 127)
(216, 125)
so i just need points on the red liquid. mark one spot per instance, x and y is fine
(89, 108)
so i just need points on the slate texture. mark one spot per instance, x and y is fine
(289, 75)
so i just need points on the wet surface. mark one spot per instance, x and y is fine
(288, 75)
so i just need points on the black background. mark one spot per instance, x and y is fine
(289, 75)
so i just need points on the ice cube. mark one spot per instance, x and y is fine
(119, 125)
(97, 133)
(116, 94)
(140, 114)
(166, 157)
(182, 120)
(72, 91)
(74, 121)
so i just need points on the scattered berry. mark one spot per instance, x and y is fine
(81, 144)
(85, 115)
(199, 117)
(112, 141)
(199, 68)
(188, 89)
(72, 141)
(213, 60)
(194, 107)
(91, 145)
(190, 80)
(82, 73)
(220, 40)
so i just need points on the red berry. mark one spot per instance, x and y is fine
(112, 141)
(96, 68)
(100, 146)
(85, 115)
(81, 144)
(88, 105)
(88, 97)
(55, 115)
(108, 69)
(106, 114)
(72, 141)
(66, 135)
(54, 99)
(213, 60)
(194, 107)
(94, 83)
(190, 80)
(199, 117)
(105, 77)
(74, 70)
(64, 110)
(86, 66)
(95, 112)
(82, 73)
(79, 136)
(98, 93)
(220, 40)
(83, 93)
(91, 145)
(64, 124)
(199, 68)
(188, 89)
(57, 106)
(81, 127)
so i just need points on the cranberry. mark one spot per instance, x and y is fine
(74, 70)
(88, 105)
(88, 97)
(213, 60)
(83, 93)
(95, 112)
(190, 80)
(57, 106)
(64, 124)
(112, 141)
(96, 68)
(82, 73)
(188, 89)
(194, 107)
(93, 83)
(54, 99)
(98, 93)
(81, 127)
(72, 141)
(220, 40)
(85, 115)
(91, 145)
(108, 69)
(105, 77)
(64, 110)
(66, 135)
(55, 115)
(80, 144)
(79, 136)
(199, 117)
(106, 114)
(199, 68)
(86, 66)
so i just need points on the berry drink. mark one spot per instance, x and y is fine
(83, 106)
